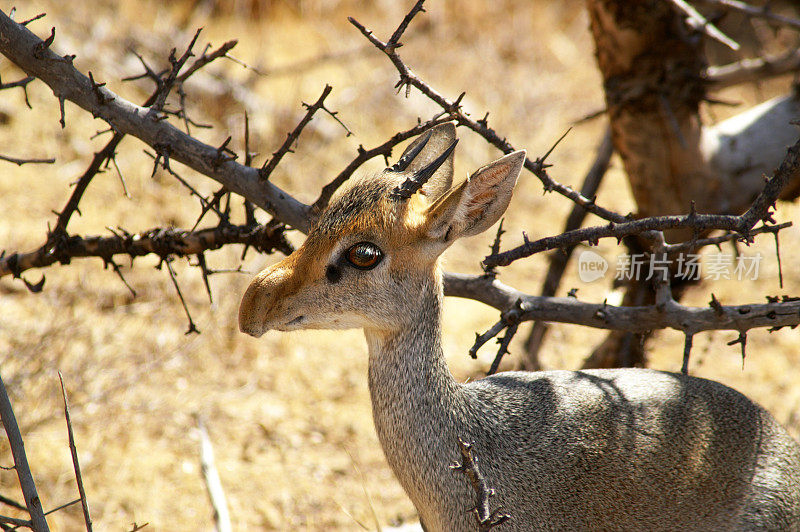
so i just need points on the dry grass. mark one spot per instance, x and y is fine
(288, 414)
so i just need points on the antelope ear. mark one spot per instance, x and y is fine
(477, 203)
(441, 137)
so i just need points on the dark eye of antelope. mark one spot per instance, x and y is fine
(364, 255)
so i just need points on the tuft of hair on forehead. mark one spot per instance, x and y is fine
(362, 198)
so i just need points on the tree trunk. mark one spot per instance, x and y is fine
(652, 65)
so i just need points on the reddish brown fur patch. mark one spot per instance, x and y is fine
(365, 210)
(491, 177)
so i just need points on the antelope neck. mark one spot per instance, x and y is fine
(416, 403)
(407, 365)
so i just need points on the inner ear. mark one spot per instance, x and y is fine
(477, 203)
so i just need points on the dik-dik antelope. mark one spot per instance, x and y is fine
(624, 449)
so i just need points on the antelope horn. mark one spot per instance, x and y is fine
(411, 154)
(411, 185)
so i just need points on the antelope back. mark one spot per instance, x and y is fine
(378, 242)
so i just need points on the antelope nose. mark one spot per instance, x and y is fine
(251, 320)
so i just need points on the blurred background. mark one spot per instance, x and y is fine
(289, 414)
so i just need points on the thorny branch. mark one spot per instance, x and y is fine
(34, 505)
(485, 517)
(74, 452)
(165, 85)
(61, 247)
(23, 84)
(453, 110)
(270, 165)
(592, 235)
(742, 224)
(365, 155)
(192, 326)
(20, 162)
(159, 241)
(25, 49)
(94, 168)
(217, 163)
(777, 312)
(558, 260)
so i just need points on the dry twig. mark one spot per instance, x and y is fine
(700, 23)
(20, 162)
(34, 505)
(162, 242)
(751, 70)
(26, 50)
(485, 517)
(75, 464)
(270, 165)
(216, 494)
(755, 12)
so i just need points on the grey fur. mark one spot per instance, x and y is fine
(625, 449)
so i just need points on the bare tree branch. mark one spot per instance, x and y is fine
(27, 51)
(270, 165)
(394, 40)
(775, 313)
(592, 235)
(693, 245)
(192, 326)
(22, 83)
(755, 12)
(74, 452)
(20, 162)
(207, 58)
(700, 23)
(453, 110)
(37, 523)
(485, 517)
(62, 506)
(216, 494)
(11, 502)
(83, 182)
(559, 260)
(759, 211)
(166, 85)
(35, 17)
(16, 522)
(160, 242)
(751, 70)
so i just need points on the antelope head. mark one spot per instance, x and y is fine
(375, 248)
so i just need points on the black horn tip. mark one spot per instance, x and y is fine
(411, 154)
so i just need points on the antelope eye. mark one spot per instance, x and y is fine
(364, 255)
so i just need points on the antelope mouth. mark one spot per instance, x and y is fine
(249, 330)
(297, 321)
